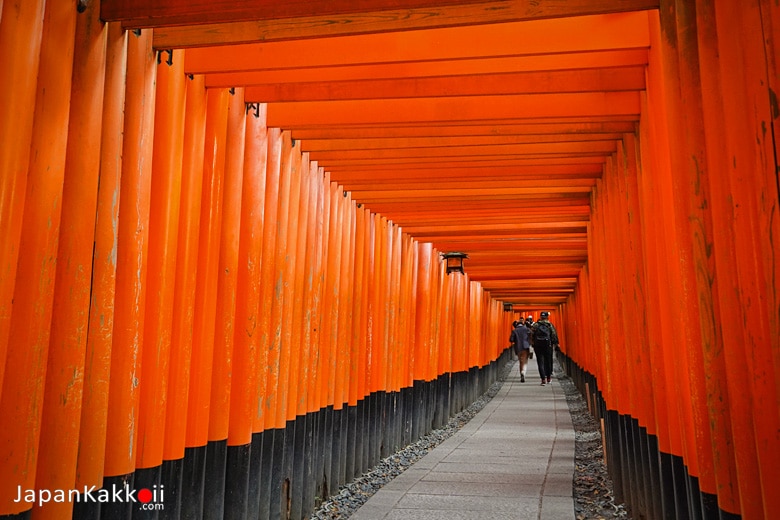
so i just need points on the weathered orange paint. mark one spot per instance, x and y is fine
(333, 295)
(97, 362)
(246, 371)
(408, 312)
(638, 292)
(315, 281)
(292, 292)
(682, 107)
(264, 414)
(21, 29)
(225, 327)
(132, 256)
(425, 311)
(366, 308)
(391, 306)
(23, 386)
(730, 333)
(199, 398)
(61, 421)
(669, 237)
(344, 336)
(323, 330)
(310, 289)
(184, 298)
(655, 246)
(278, 353)
(657, 159)
(358, 366)
(379, 227)
(163, 243)
(751, 162)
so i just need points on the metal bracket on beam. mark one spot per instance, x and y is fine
(169, 61)
(253, 106)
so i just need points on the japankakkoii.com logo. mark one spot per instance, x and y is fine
(148, 499)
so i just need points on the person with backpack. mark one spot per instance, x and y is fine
(544, 338)
(519, 338)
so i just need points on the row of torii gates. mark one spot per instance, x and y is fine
(222, 226)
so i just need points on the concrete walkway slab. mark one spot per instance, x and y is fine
(513, 461)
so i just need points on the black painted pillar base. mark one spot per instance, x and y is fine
(237, 471)
(118, 510)
(257, 484)
(171, 479)
(277, 472)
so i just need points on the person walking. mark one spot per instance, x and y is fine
(544, 339)
(520, 339)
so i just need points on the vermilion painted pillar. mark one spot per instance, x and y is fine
(597, 264)
(358, 368)
(657, 337)
(199, 398)
(342, 347)
(409, 311)
(441, 329)
(245, 387)
(379, 349)
(275, 393)
(97, 362)
(750, 145)
(459, 292)
(674, 250)
(394, 341)
(323, 345)
(619, 339)
(422, 339)
(62, 405)
(163, 241)
(679, 75)
(264, 417)
(21, 399)
(316, 218)
(730, 339)
(442, 313)
(21, 27)
(627, 155)
(183, 320)
(132, 256)
(293, 303)
(227, 285)
(336, 239)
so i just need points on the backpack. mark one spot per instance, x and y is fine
(542, 334)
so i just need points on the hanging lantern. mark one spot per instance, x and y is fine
(454, 262)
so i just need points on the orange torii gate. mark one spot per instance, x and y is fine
(221, 226)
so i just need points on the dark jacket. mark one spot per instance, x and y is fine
(553, 332)
(520, 338)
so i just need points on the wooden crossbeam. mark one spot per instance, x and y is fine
(183, 23)
(453, 109)
(540, 37)
(580, 60)
(577, 80)
(492, 131)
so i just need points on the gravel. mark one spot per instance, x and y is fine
(593, 492)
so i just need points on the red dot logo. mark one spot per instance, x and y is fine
(145, 496)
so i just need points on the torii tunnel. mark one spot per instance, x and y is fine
(222, 225)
